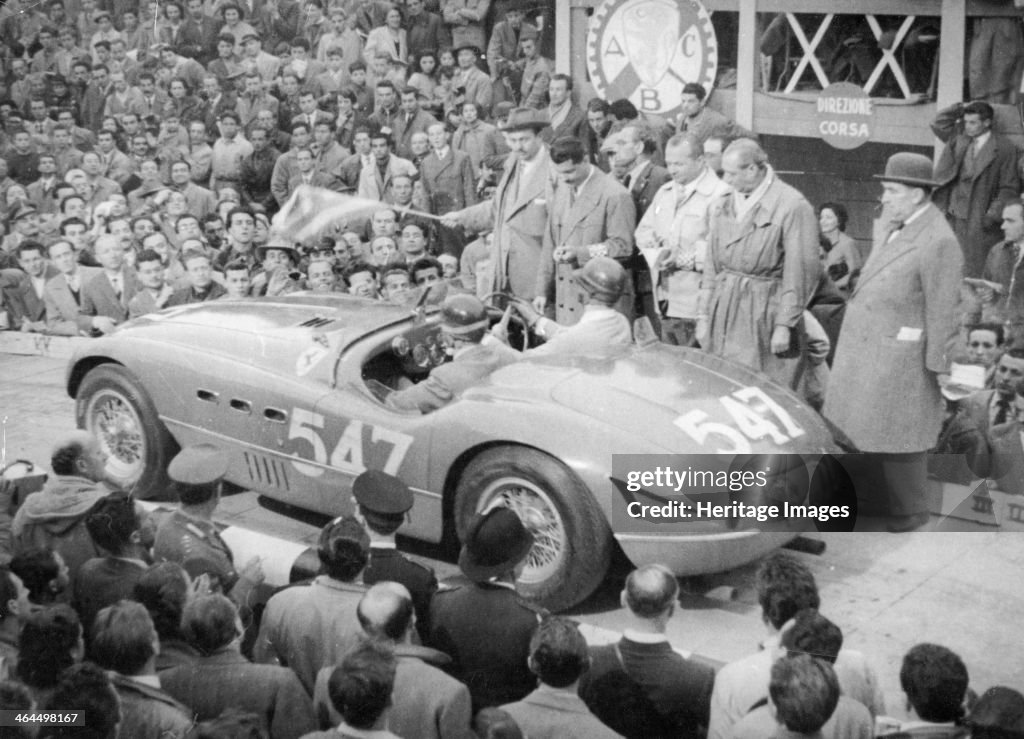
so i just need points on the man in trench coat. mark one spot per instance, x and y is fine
(761, 269)
(901, 323)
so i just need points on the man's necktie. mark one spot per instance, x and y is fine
(1002, 410)
(627, 181)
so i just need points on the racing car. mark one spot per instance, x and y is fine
(290, 388)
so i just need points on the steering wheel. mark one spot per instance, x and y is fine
(494, 307)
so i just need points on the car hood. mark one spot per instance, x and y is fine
(644, 391)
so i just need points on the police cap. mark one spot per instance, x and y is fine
(382, 493)
(201, 464)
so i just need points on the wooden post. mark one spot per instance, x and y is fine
(746, 64)
(563, 41)
(952, 46)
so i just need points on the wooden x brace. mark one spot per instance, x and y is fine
(889, 55)
(809, 56)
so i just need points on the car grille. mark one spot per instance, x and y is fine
(266, 472)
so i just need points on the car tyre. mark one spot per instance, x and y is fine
(111, 404)
(573, 543)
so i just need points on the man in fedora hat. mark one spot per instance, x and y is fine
(279, 259)
(518, 212)
(486, 626)
(382, 502)
(477, 85)
(903, 314)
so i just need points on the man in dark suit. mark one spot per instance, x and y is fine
(382, 502)
(106, 296)
(448, 182)
(463, 325)
(904, 315)
(1004, 304)
(977, 175)
(991, 408)
(114, 523)
(678, 689)
(412, 119)
(309, 113)
(425, 30)
(592, 215)
(485, 626)
(566, 118)
(201, 285)
(634, 147)
(200, 30)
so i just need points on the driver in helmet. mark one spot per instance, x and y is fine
(600, 327)
(463, 327)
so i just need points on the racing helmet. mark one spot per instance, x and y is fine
(464, 316)
(602, 278)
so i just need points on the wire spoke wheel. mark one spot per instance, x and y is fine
(114, 422)
(112, 405)
(572, 541)
(540, 516)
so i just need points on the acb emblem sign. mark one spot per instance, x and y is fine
(647, 50)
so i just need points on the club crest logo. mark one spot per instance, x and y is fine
(647, 50)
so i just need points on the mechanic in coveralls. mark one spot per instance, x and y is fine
(463, 327)
(601, 326)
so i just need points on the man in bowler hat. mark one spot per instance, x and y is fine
(904, 315)
(486, 626)
(382, 501)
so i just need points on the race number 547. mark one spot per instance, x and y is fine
(352, 447)
(755, 415)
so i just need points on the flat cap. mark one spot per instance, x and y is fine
(23, 210)
(382, 493)
(200, 464)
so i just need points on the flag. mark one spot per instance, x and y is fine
(311, 210)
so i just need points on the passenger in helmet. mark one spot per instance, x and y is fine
(600, 328)
(463, 328)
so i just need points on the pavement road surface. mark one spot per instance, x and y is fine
(886, 592)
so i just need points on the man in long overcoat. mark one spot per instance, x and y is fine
(901, 322)
(518, 211)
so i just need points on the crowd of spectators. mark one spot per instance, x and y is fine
(149, 635)
(145, 150)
